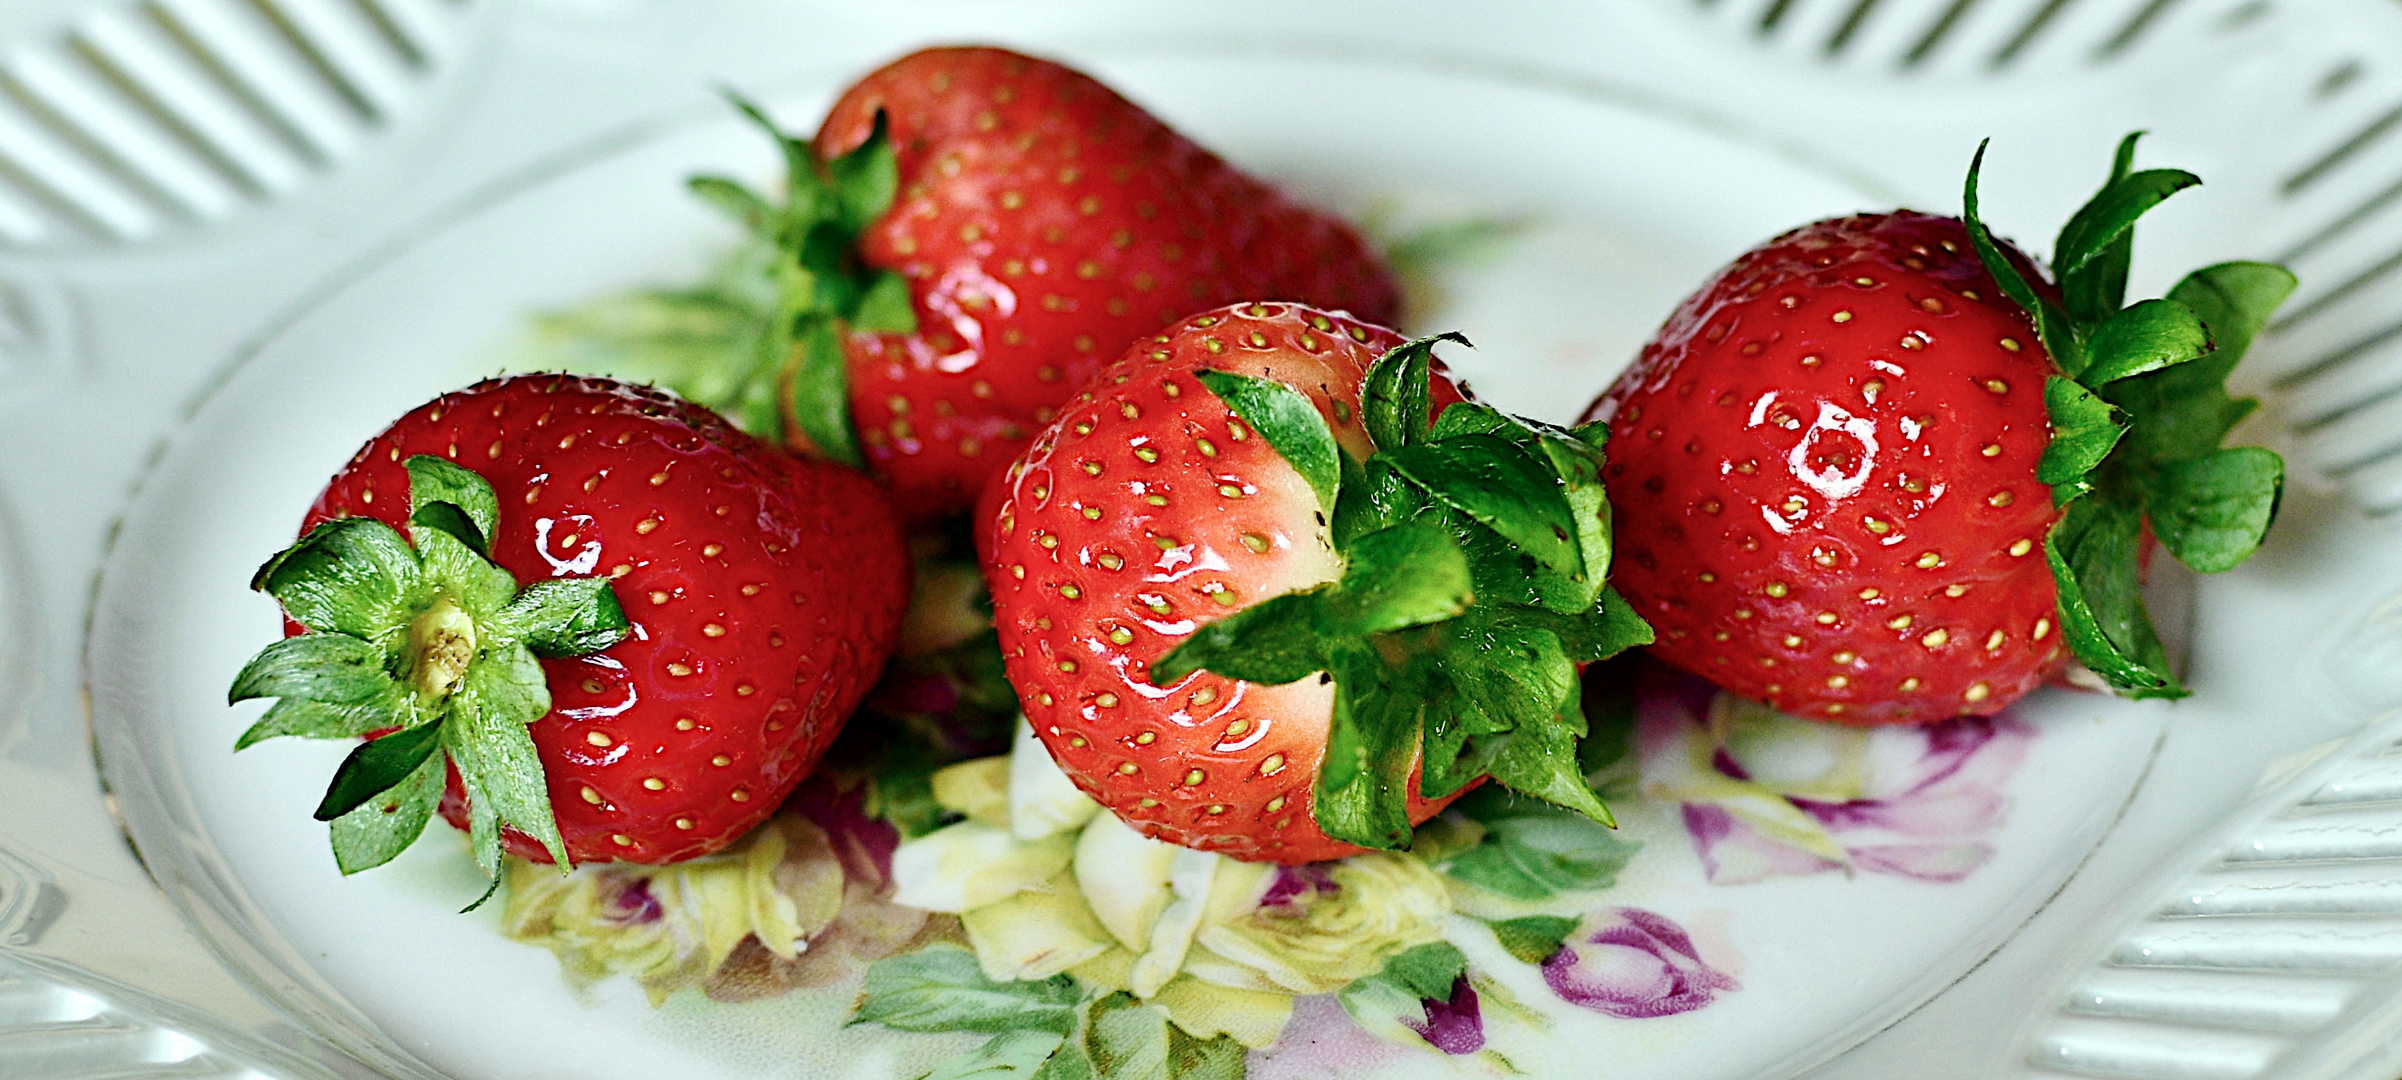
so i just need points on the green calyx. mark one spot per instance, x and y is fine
(427, 641)
(820, 287)
(2138, 413)
(1476, 551)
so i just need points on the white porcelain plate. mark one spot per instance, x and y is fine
(1631, 208)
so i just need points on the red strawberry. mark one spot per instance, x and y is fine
(761, 594)
(1254, 493)
(1836, 465)
(1009, 225)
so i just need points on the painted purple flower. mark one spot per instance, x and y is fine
(864, 844)
(1633, 964)
(632, 904)
(1294, 886)
(1768, 795)
(1454, 1026)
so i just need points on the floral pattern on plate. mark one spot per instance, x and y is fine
(997, 899)
(1767, 795)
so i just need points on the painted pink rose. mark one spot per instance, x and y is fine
(1633, 964)
(1764, 794)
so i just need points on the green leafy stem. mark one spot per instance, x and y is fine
(2138, 413)
(1051, 1029)
(821, 287)
(1476, 549)
(426, 648)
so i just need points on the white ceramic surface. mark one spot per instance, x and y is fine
(1614, 134)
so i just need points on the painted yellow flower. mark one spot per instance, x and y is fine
(1044, 883)
(1313, 929)
(670, 927)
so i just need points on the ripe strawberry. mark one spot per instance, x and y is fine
(1878, 470)
(973, 233)
(762, 593)
(1253, 604)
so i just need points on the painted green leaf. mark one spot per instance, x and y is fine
(561, 617)
(1375, 1004)
(2212, 511)
(2084, 428)
(332, 668)
(1504, 487)
(1408, 979)
(942, 988)
(1404, 576)
(1535, 938)
(2149, 336)
(1394, 400)
(1425, 971)
(1124, 1039)
(1291, 423)
(487, 739)
(352, 575)
(2093, 555)
(1010, 1055)
(1533, 850)
(1273, 642)
(1070, 1063)
(2106, 218)
(377, 830)
(376, 767)
(436, 481)
(1372, 740)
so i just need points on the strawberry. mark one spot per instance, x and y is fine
(1880, 470)
(456, 594)
(973, 233)
(1254, 603)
